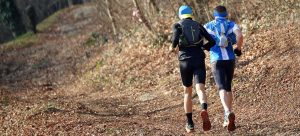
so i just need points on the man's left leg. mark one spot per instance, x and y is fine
(188, 108)
(188, 105)
(187, 81)
(200, 88)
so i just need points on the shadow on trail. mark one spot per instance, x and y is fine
(287, 50)
(164, 109)
(93, 113)
(247, 62)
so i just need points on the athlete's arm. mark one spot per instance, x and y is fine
(175, 36)
(239, 38)
(211, 42)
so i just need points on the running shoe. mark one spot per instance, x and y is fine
(229, 120)
(189, 128)
(205, 120)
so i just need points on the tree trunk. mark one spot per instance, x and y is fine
(236, 17)
(197, 10)
(174, 9)
(152, 2)
(185, 2)
(70, 2)
(113, 24)
(206, 8)
(146, 23)
(224, 2)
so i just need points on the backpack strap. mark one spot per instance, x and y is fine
(224, 29)
(183, 42)
(180, 27)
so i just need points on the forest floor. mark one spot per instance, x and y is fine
(62, 85)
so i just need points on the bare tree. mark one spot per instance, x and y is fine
(142, 16)
(224, 2)
(201, 9)
(111, 17)
(185, 2)
(197, 9)
(154, 5)
(232, 7)
(174, 8)
(206, 8)
(70, 2)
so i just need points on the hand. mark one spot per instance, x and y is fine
(206, 48)
(237, 51)
(171, 49)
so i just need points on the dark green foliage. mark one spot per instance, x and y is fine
(10, 17)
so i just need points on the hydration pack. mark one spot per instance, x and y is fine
(224, 37)
(190, 33)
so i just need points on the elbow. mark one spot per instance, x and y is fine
(174, 43)
(213, 42)
(240, 37)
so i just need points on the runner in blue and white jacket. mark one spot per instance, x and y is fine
(222, 57)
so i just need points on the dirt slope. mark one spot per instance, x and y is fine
(62, 87)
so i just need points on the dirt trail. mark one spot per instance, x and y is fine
(44, 90)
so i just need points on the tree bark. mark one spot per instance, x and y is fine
(206, 8)
(197, 10)
(70, 2)
(146, 23)
(185, 2)
(174, 9)
(152, 2)
(113, 24)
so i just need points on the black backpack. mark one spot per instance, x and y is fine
(190, 33)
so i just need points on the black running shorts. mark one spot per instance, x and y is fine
(223, 73)
(190, 68)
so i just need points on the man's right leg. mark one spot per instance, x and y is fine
(226, 100)
(226, 96)
(230, 99)
(229, 117)
(220, 73)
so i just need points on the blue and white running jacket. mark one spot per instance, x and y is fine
(213, 28)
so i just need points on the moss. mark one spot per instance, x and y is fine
(30, 38)
(24, 40)
(45, 24)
